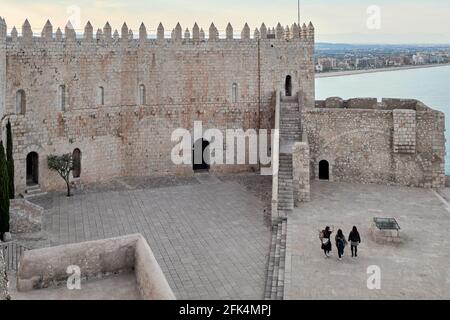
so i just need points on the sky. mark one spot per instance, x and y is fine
(343, 21)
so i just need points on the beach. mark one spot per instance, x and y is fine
(353, 72)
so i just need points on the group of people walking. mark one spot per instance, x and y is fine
(341, 242)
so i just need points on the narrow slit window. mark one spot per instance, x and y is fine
(20, 102)
(234, 93)
(141, 94)
(101, 96)
(62, 96)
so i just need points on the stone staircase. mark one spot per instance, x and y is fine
(289, 133)
(285, 189)
(277, 261)
(289, 123)
(33, 191)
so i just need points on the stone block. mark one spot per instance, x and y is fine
(334, 102)
(362, 103)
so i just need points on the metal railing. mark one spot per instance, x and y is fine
(12, 251)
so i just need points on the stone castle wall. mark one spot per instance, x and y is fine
(394, 142)
(186, 79)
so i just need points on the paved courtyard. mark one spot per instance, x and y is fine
(209, 235)
(416, 269)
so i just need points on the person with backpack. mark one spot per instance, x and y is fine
(354, 240)
(325, 238)
(340, 243)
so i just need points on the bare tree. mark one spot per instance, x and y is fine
(63, 165)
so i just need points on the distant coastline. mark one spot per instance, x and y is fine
(354, 72)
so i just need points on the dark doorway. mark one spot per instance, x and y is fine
(324, 170)
(76, 156)
(32, 169)
(199, 158)
(288, 86)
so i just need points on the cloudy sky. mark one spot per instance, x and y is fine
(351, 21)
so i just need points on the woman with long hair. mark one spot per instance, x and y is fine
(340, 243)
(325, 238)
(354, 239)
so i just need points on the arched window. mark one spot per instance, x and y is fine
(234, 93)
(141, 94)
(101, 96)
(62, 96)
(76, 156)
(21, 102)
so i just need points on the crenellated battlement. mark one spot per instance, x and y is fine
(178, 34)
(3, 28)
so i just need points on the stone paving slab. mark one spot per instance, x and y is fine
(416, 269)
(210, 239)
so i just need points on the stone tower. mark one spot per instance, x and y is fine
(2, 67)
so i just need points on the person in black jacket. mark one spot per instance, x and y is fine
(354, 240)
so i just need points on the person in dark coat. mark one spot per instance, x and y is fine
(325, 238)
(340, 243)
(354, 240)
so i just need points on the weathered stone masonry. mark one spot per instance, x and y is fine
(185, 79)
(396, 141)
(122, 98)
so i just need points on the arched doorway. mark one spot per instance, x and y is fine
(76, 156)
(200, 159)
(324, 170)
(32, 169)
(288, 86)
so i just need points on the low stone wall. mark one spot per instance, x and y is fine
(147, 271)
(3, 279)
(47, 267)
(395, 141)
(371, 104)
(25, 217)
(447, 181)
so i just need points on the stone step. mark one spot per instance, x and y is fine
(293, 132)
(274, 290)
(33, 195)
(284, 196)
(271, 264)
(282, 266)
(33, 188)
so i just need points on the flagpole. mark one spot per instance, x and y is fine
(298, 11)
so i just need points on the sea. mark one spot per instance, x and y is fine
(429, 85)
